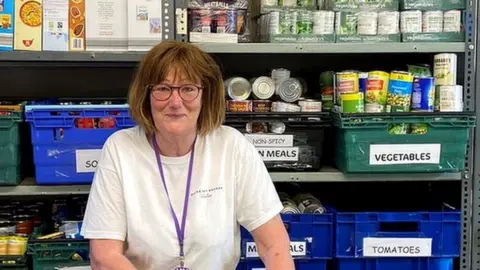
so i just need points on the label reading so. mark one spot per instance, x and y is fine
(297, 248)
(270, 140)
(87, 160)
(388, 154)
(397, 247)
(278, 153)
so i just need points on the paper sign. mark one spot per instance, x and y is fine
(297, 248)
(270, 140)
(388, 154)
(278, 153)
(397, 247)
(87, 160)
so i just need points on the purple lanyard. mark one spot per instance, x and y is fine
(180, 230)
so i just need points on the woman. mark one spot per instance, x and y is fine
(172, 191)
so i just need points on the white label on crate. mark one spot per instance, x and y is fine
(397, 247)
(270, 140)
(278, 153)
(297, 248)
(387, 154)
(87, 160)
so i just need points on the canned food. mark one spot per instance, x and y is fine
(450, 98)
(278, 76)
(238, 88)
(367, 23)
(277, 127)
(445, 69)
(432, 21)
(352, 102)
(262, 105)
(326, 89)
(289, 205)
(24, 224)
(290, 90)
(305, 22)
(345, 23)
(388, 22)
(309, 204)
(399, 95)
(376, 93)
(263, 87)
(452, 21)
(362, 81)
(200, 20)
(224, 21)
(346, 82)
(287, 3)
(4, 245)
(280, 106)
(239, 106)
(310, 105)
(423, 94)
(7, 227)
(256, 127)
(411, 21)
(273, 23)
(323, 22)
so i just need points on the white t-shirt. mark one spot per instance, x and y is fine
(230, 187)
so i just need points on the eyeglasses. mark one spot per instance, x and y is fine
(162, 92)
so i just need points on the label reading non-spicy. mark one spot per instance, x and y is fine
(297, 248)
(87, 160)
(278, 153)
(388, 154)
(397, 247)
(270, 140)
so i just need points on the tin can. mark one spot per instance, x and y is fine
(423, 94)
(445, 69)
(310, 105)
(289, 205)
(238, 88)
(309, 204)
(290, 90)
(346, 82)
(263, 87)
(287, 3)
(224, 21)
(452, 21)
(376, 93)
(326, 89)
(345, 23)
(432, 21)
(273, 23)
(323, 22)
(280, 106)
(411, 21)
(200, 20)
(262, 105)
(304, 22)
(352, 103)
(367, 23)
(399, 97)
(239, 106)
(24, 224)
(256, 127)
(362, 81)
(277, 127)
(450, 98)
(388, 22)
(278, 76)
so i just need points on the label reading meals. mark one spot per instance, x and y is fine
(397, 247)
(278, 153)
(388, 154)
(87, 160)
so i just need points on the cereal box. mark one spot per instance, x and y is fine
(107, 28)
(55, 25)
(28, 25)
(6, 25)
(77, 25)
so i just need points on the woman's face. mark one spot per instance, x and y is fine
(175, 115)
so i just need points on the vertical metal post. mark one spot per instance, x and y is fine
(181, 24)
(168, 13)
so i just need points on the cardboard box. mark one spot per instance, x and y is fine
(28, 25)
(6, 25)
(76, 19)
(144, 24)
(107, 25)
(55, 25)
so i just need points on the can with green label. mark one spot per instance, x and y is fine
(305, 22)
(352, 102)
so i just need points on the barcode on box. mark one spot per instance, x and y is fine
(221, 30)
(77, 43)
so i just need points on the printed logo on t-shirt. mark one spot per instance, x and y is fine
(206, 193)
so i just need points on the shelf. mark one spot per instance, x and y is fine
(424, 47)
(28, 187)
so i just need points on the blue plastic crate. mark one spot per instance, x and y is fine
(395, 264)
(315, 264)
(443, 228)
(57, 140)
(311, 237)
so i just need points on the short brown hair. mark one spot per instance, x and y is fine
(197, 65)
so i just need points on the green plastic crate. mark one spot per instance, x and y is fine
(364, 144)
(10, 154)
(55, 254)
